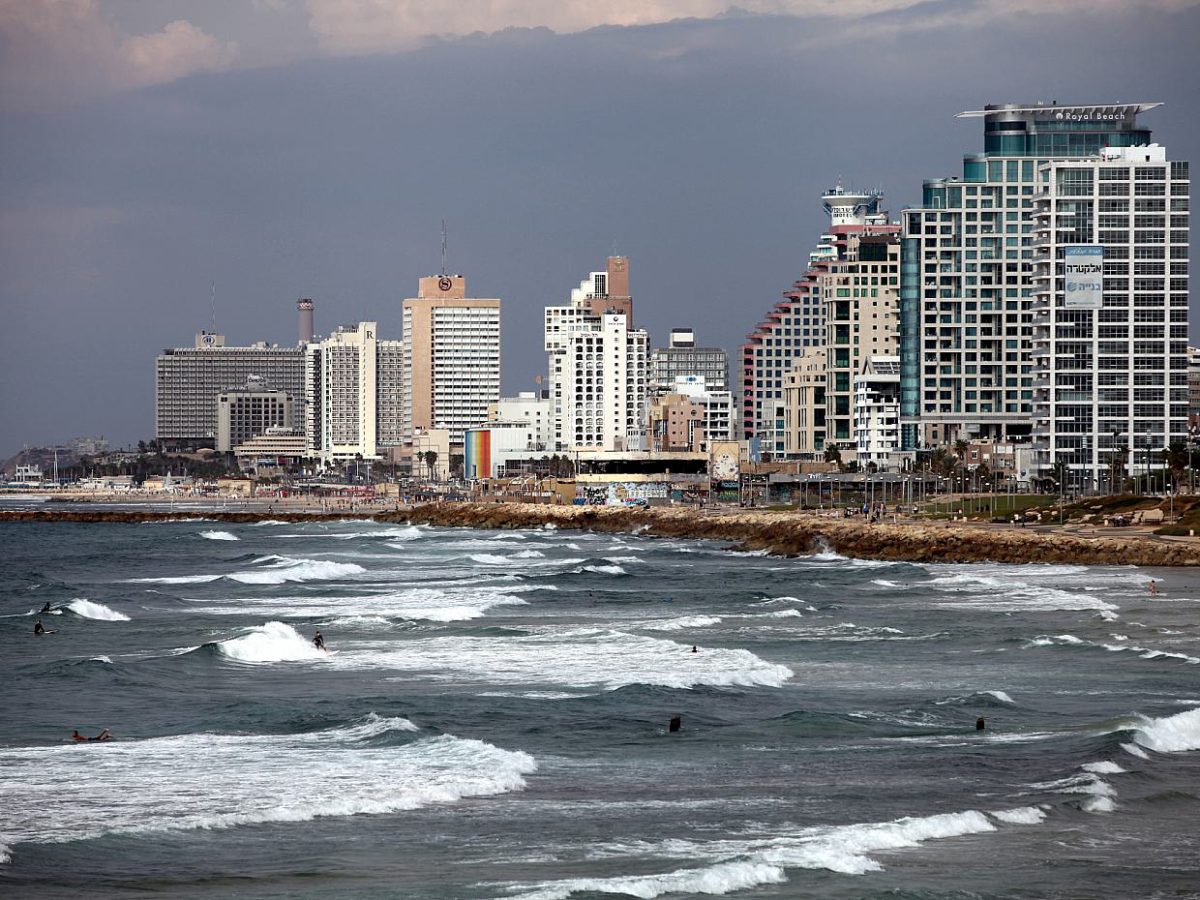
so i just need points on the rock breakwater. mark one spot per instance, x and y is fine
(781, 533)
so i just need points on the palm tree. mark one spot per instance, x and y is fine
(1176, 458)
(430, 457)
(833, 455)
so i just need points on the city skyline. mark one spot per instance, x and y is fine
(327, 176)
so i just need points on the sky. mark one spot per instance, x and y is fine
(168, 165)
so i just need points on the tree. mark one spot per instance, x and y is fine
(834, 455)
(430, 457)
(1176, 458)
(456, 465)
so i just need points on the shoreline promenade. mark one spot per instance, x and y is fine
(784, 533)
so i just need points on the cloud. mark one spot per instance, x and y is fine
(354, 27)
(51, 50)
(178, 50)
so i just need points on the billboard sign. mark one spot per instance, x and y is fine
(1083, 271)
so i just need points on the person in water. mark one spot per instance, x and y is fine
(1152, 588)
(39, 628)
(104, 735)
(318, 641)
(46, 608)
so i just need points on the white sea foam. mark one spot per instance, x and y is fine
(90, 610)
(360, 622)
(282, 569)
(575, 658)
(1026, 815)
(883, 582)
(1135, 750)
(1104, 767)
(64, 793)
(1099, 795)
(1171, 734)
(272, 642)
(102, 659)
(268, 522)
(684, 622)
(780, 614)
(714, 880)
(605, 570)
(219, 536)
(456, 602)
(994, 588)
(1001, 696)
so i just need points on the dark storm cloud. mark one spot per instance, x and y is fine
(698, 148)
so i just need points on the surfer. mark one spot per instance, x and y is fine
(1152, 588)
(104, 735)
(694, 650)
(318, 641)
(39, 628)
(980, 724)
(46, 608)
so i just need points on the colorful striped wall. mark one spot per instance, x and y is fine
(477, 453)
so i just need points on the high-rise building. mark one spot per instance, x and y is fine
(188, 381)
(967, 326)
(597, 365)
(249, 412)
(877, 411)
(797, 322)
(683, 359)
(1110, 313)
(804, 406)
(690, 417)
(342, 394)
(860, 288)
(451, 369)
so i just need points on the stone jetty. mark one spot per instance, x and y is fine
(780, 533)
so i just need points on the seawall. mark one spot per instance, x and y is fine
(782, 533)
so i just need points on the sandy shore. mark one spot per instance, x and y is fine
(782, 533)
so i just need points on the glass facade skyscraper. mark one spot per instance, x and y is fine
(967, 275)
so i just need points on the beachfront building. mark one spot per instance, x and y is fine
(690, 417)
(1110, 314)
(681, 358)
(527, 406)
(451, 366)
(967, 282)
(597, 365)
(251, 411)
(804, 407)
(797, 322)
(188, 381)
(877, 412)
(860, 288)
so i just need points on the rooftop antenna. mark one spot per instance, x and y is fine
(443, 246)
(214, 307)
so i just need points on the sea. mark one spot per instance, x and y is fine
(491, 718)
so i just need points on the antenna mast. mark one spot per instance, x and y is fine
(443, 246)
(214, 307)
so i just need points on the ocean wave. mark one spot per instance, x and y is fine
(219, 536)
(56, 794)
(272, 642)
(1070, 640)
(684, 622)
(718, 879)
(1171, 734)
(1026, 815)
(605, 570)
(1098, 794)
(91, 610)
(577, 658)
(738, 863)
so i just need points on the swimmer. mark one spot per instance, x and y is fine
(1152, 588)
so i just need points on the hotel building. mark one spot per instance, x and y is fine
(597, 363)
(1110, 312)
(683, 359)
(451, 365)
(967, 281)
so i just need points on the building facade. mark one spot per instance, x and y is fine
(681, 358)
(1110, 310)
(597, 366)
(804, 406)
(967, 272)
(188, 380)
(797, 323)
(244, 414)
(877, 412)
(451, 368)
(527, 406)
(690, 417)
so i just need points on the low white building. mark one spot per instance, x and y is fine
(527, 406)
(877, 411)
(491, 452)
